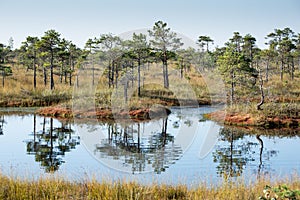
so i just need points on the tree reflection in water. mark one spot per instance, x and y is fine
(50, 144)
(2, 125)
(233, 157)
(125, 143)
(264, 155)
(235, 153)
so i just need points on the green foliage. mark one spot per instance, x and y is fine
(164, 42)
(204, 40)
(235, 66)
(5, 70)
(239, 62)
(163, 38)
(279, 192)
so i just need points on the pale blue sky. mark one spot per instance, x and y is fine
(78, 20)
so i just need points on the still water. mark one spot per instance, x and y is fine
(182, 148)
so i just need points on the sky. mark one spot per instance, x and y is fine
(78, 20)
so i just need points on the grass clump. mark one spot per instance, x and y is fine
(281, 110)
(58, 188)
(273, 115)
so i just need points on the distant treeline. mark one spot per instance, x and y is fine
(240, 61)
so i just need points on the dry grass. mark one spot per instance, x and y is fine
(22, 81)
(58, 188)
(192, 86)
(19, 91)
(19, 87)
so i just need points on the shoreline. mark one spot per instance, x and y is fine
(248, 120)
(104, 113)
(237, 119)
(62, 109)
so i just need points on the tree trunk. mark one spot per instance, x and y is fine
(113, 73)
(292, 69)
(288, 67)
(125, 91)
(71, 71)
(93, 71)
(66, 77)
(181, 69)
(61, 73)
(3, 76)
(164, 74)
(139, 77)
(70, 77)
(165, 69)
(34, 73)
(167, 75)
(109, 74)
(262, 96)
(232, 87)
(117, 75)
(132, 72)
(51, 71)
(267, 70)
(45, 75)
(281, 69)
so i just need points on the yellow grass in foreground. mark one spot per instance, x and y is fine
(58, 188)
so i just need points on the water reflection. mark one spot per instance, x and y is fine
(261, 149)
(232, 156)
(264, 156)
(169, 147)
(237, 150)
(156, 151)
(50, 144)
(2, 124)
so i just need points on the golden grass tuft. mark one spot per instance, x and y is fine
(59, 188)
